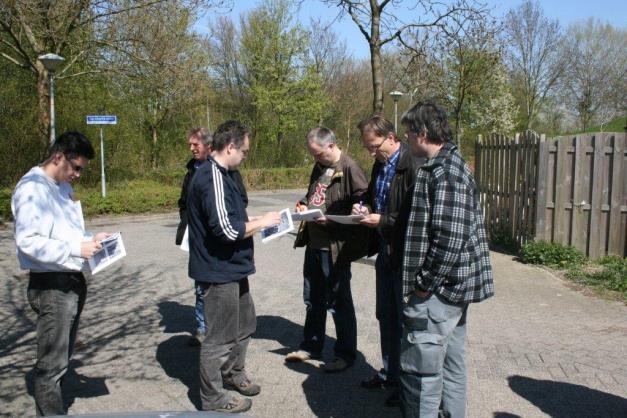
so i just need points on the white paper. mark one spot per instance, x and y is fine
(185, 242)
(307, 215)
(345, 219)
(276, 231)
(112, 251)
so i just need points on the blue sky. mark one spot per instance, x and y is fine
(566, 11)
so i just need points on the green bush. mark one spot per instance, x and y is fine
(5, 204)
(551, 254)
(132, 197)
(159, 190)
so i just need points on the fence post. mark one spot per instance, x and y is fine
(616, 245)
(541, 188)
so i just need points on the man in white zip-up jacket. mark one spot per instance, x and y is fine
(53, 245)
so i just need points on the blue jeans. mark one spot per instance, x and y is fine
(199, 308)
(433, 368)
(327, 286)
(58, 300)
(389, 313)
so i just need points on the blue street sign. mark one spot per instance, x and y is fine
(102, 120)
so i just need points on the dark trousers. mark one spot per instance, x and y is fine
(58, 300)
(328, 286)
(230, 321)
(389, 313)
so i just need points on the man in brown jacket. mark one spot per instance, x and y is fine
(336, 183)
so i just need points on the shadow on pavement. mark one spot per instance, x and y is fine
(176, 318)
(176, 357)
(567, 400)
(74, 385)
(180, 361)
(328, 395)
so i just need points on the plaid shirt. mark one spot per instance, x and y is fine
(383, 183)
(446, 249)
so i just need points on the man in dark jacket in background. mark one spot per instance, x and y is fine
(386, 209)
(199, 140)
(221, 256)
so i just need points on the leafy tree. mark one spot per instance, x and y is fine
(85, 32)
(286, 94)
(534, 57)
(380, 22)
(595, 85)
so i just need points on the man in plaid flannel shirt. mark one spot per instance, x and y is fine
(446, 266)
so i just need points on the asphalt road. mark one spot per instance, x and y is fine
(537, 349)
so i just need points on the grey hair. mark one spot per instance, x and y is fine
(203, 134)
(321, 136)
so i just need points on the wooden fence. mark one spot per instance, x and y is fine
(571, 190)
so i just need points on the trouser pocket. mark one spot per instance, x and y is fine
(422, 352)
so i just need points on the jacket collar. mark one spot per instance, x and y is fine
(212, 161)
(444, 153)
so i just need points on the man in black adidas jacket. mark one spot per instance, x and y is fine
(221, 255)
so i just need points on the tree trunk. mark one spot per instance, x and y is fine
(377, 78)
(153, 132)
(43, 104)
(375, 60)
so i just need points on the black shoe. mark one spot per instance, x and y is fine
(336, 365)
(246, 387)
(394, 400)
(377, 382)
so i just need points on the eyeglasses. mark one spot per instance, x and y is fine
(75, 167)
(374, 148)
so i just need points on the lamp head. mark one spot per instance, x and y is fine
(395, 95)
(51, 61)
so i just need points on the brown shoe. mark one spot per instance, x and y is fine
(235, 405)
(246, 387)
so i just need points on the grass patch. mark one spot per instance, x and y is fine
(608, 274)
(606, 277)
(159, 191)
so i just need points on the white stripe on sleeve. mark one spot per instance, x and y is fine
(223, 217)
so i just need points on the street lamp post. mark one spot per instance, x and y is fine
(396, 95)
(51, 62)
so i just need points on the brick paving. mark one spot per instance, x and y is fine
(537, 349)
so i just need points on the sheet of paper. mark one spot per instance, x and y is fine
(345, 219)
(112, 251)
(185, 242)
(276, 231)
(308, 215)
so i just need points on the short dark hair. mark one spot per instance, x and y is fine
(378, 125)
(430, 118)
(72, 144)
(229, 132)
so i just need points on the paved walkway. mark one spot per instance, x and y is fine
(537, 349)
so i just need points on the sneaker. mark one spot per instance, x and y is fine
(301, 355)
(394, 400)
(235, 405)
(246, 387)
(336, 365)
(375, 382)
